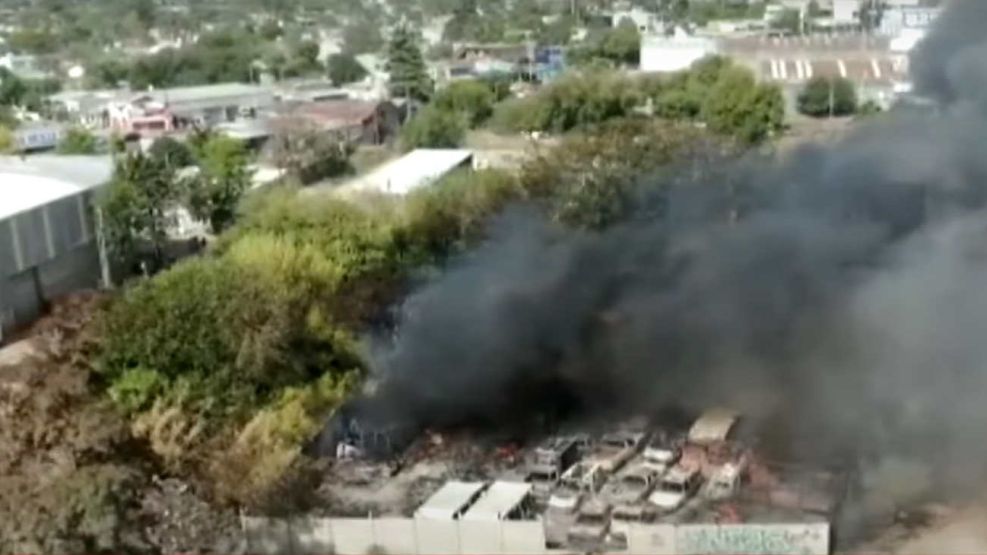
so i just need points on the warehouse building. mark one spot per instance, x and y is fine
(48, 244)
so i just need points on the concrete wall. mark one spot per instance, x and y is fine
(438, 537)
(753, 539)
(663, 54)
(362, 536)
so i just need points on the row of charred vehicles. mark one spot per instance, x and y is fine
(592, 490)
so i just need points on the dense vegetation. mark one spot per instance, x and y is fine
(244, 352)
(828, 96)
(724, 97)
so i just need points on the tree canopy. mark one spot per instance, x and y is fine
(473, 99)
(434, 127)
(78, 141)
(825, 96)
(406, 66)
(344, 68)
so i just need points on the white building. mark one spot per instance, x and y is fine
(665, 54)
(48, 242)
(416, 169)
(903, 19)
(846, 11)
(645, 21)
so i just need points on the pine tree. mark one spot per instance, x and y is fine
(406, 65)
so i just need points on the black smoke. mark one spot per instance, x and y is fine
(847, 303)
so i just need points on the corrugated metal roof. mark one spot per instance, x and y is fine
(416, 169)
(451, 498)
(206, 92)
(36, 181)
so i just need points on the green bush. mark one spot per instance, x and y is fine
(136, 388)
(434, 127)
(824, 96)
(78, 141)
(576, 100)
(472, 98)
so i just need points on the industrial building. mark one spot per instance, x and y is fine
(48, 244)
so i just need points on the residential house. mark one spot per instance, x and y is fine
(353, 121)
(158, 112)
(86, 108)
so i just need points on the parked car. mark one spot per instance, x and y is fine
(585, 477)
(543, 479)
(663, 449)
(632, 484)
(674, 488)
(591, 526)
(616, 448)
(627, 514)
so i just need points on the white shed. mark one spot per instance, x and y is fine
(451, 501)
(499, 502)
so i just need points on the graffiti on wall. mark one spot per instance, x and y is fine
(808, 539)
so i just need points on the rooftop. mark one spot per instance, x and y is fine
(713, 425)
(36, 181)
(334, 114)
(416, 169)
(205, 92)
(449, 500)
(499, 500)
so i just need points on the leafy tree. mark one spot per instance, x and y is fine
(362, 37)
(171, 152)
(108, 72)
(737, 105)
(217, 57)
(270, 30)
(473, 99)
(789, 20)
(434, 127)
(869, 108)
(32, 41)
(622, 45)
(824, 96)
(144, 11)
(305, 57)
(12, 88)
(558, 32)
(223, 178)
(7, 143)
(467, 24)
(572, 101)
(136, 205)
(344, 68)
(408, 74)
(306, 153)
(78, 141)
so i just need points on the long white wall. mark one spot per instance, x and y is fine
(349, 536)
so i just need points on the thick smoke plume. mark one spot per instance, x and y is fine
(849, 296)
